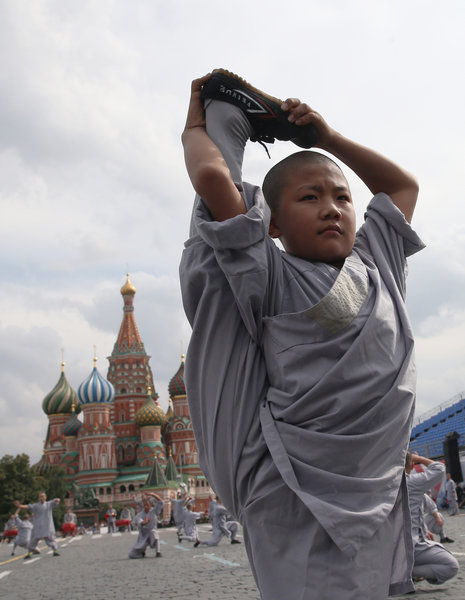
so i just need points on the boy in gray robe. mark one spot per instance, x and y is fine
(177, 505)
(147, 523)
(221, 526)
(451, 496)
(110, 515)
(43, 526)
(300, 373)
(434, 521)
(432, 561)
(189, 521)
(24, 527)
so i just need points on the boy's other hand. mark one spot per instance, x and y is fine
(196, 113)
(302, 114)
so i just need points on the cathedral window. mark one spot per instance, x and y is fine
(122, 489)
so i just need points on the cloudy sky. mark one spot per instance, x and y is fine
(92, 180)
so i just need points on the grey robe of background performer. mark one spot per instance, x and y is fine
(42, 525)
(432, 560)
(429, 517)
(148, 534)
(301, 380)
(24, 527)
(189, 521)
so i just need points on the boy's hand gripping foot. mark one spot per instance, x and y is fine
(264, 112)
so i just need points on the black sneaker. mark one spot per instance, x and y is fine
(196, 543)
(235, 542)
(55, 553)
(446, 540)
(158, 555)
(264, 112)
(27, 557)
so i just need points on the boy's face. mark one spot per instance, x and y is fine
(316, 218)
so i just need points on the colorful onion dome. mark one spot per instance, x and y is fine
(150, 413)
(72, 426)
(128, 289)
(176, 386)
(43, 466)
(61, 398)
(96, 389)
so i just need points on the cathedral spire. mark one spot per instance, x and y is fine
(128, 338)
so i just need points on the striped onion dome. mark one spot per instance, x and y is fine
(43, 467)
(96, 389)
(61, 398)
(150, 413)
(72, 426)
(176, 386)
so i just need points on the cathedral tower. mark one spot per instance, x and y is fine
(96, 439)
(131, 376)
(58, 405)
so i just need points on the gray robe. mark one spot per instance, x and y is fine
(429, 518)
(189, 520)
(300, 380)
(178, 512)
(432, 560)
(24, 527)
(43, 525)
(148, 532)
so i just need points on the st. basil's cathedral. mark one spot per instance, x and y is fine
(124, 441)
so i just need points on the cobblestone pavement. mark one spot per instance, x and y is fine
(97, 567)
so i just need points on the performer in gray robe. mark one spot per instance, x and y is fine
(24, 527)
(451, 496)
(222, 526)
(434, 521)
(147, 523)
(111, 519)
(177, 505)
(43, 526)
(300, 380)
(189, 519)
(432, 561)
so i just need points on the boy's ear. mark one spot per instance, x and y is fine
(273, 230)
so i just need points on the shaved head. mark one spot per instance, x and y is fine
(277, 177)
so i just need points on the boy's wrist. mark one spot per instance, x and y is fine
(332, 142)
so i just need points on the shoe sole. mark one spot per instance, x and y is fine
(264, 112)
(248, 97)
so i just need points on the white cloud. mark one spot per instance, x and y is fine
(92, 180)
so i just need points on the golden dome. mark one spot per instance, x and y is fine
(128, 289)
